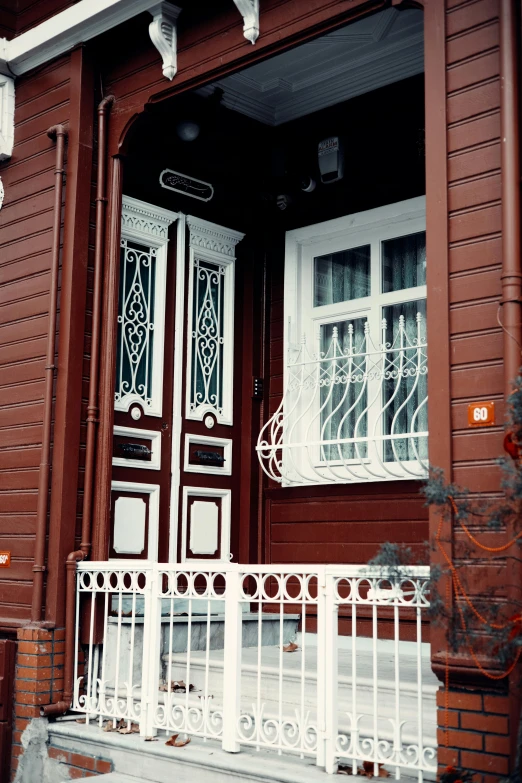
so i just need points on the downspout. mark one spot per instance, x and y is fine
(59, 133)
(92, 419)
(511, 301)
(92, 407)
(511, 278)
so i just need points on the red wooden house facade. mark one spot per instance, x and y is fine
(203, 227)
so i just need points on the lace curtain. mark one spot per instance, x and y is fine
(345, 394)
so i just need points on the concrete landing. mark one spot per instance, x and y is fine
(138, 761)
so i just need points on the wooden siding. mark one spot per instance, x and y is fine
(332, 523)
(475, 251)
(25, 257)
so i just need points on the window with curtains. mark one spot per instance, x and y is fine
(355, 397)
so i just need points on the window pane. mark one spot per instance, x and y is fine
(404, 262)
(136, 318)
(406, 382)
(339, 277)
(207, 335)
(343, 389)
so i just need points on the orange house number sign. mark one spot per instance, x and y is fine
(5, 559)
(481, 414)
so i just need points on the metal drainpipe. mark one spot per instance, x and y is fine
(92, 406)
(511, 301)
(92, 418)
(58, 133)
(510, 169)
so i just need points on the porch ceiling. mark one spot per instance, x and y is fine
(373, 52)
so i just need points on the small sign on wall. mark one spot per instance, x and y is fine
(481, 414)
(5, 559)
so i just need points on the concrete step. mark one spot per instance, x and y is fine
(176, 640)
(295, 697)
(135, 760)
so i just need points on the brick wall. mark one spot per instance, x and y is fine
(478, 729)
(77, 765)
(38, 679)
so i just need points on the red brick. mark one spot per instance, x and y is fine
(496, 704)
(26, 711)
(33, 686)
(59, 634)
(24, 659)
(59, 647)
(59, 755)
(34, 673)
(21, 724)
(59, 659)
(461, 739)
(17, 737)
(453, 718)
(86, 762)
(34, 634)
(497, 724)
(33, 698)
(74, 772)
(35, 648)
(499, 765)
(448, 756)
(460, 700)
(500, 745)
(103, 766)
(17, 750)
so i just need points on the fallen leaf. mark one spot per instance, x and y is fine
(150, 739)
(291, 647)
(132, 729)
(121, 724)
(177, 686)
(177, 743)
(367, 770)
(344, 770)
(81, 720)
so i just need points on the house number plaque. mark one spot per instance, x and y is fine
(188, 186)
(481, 414)
(5, 559)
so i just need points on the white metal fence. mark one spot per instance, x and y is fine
(325, 662)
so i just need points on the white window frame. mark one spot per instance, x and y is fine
(304, 320)
(148, 225)
(216, 244)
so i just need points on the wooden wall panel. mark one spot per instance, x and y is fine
(25, 242)
(475, 264)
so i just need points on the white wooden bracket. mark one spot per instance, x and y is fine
(163, 34)
(7, 102)
(249, 10)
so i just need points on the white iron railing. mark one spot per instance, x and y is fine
(209, 651)
(354, 412)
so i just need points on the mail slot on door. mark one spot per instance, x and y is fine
(132, 449)
(212, 456)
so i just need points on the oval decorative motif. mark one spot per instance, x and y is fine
(2, 192)
(188, 186)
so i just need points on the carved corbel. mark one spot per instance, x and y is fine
(163, 34)
(7, 101)
(249, 10)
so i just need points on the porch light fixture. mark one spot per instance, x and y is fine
(188, 130)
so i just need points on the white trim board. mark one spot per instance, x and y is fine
(155, 443)
(205, 440)
(226, 496)
(153, 490)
